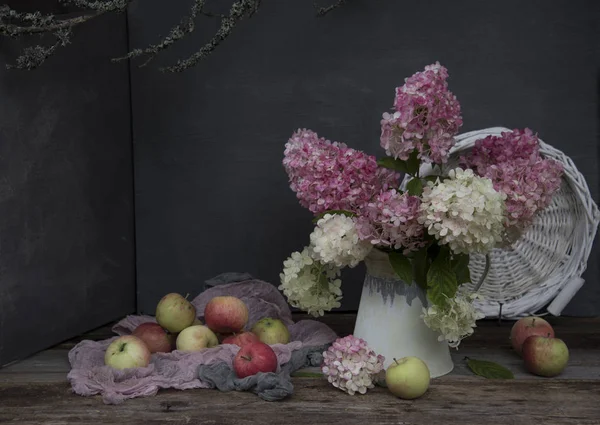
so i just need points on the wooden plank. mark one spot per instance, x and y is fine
(448, 402)
(53, 365)
(48, 361)
(489, 343)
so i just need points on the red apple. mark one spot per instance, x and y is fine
(545, 356)
(226, 314)
(526, 327)
(253, 358)
(241, 339)
(155, 337)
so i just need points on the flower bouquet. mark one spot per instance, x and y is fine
(424, 227)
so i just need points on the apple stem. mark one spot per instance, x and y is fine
(246, 358)
(187, 295)
(396, 361)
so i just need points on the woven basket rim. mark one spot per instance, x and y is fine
(534, 299)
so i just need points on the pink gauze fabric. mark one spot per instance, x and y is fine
(89, 376)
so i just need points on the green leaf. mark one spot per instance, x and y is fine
(489, 370)
(342, 212)
(431, 179)
(413, 163)
(415, 187)
(420, 264)
(441, 279)
(393, 164)
(401, 266)
(460, 265)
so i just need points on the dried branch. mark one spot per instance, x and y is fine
(322, 11)
(50, 25)
(33, 57)
(239, 10)
(32, 23)
(16, 24)
(186, 26)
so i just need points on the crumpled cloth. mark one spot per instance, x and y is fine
(268, 386)
(208, 368)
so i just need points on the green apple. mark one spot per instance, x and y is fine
(175, 313)
(196, 338)
(271, 331)
(127, 352)
(545, 356)
(407, 378)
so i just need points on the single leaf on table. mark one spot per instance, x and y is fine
(341, 212)
(460, 265)
(441, 279)
(489, 370)
(401, 266)
(413, 163)
(420, 265)
(415, 187)
(393, 164)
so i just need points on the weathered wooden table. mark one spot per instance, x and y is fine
(36, 391)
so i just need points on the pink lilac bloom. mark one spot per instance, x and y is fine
(426, 118)
(350, 365)
(513, 162)
(330, 176)
(391, 220)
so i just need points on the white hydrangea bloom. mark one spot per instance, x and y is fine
(335, 241)
(350, 365)
(464, 211)
(309, 284)
(455, 320)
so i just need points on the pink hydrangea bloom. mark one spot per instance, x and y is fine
(426, 118)
(330, 176)
(513, 162)
(391, 220)
(350, 365)
(518, 144)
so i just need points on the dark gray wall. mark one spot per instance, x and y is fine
(66, 207)
(211, 193)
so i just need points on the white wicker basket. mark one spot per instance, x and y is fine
(544, 267)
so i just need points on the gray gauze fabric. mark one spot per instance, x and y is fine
(208, 368)
(268, 386)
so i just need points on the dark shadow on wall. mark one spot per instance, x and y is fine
(66, 214)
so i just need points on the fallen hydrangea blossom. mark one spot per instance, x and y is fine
(350, 365)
